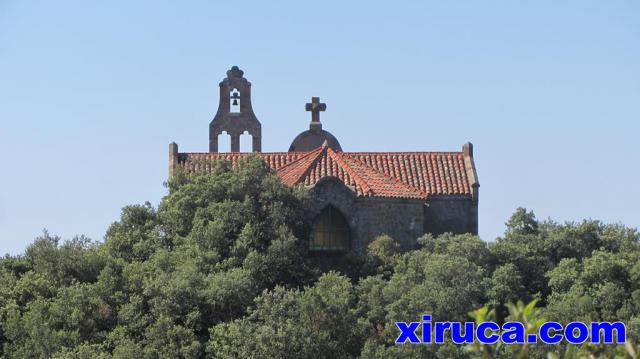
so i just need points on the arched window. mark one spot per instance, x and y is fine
(224, 142)
(234, 106)
(246, 142)
(330, 231)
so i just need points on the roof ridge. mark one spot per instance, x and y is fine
(398, 180)
(294, 161)
(290, 167)
(406, 186)
(339, 158)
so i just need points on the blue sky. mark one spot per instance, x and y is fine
(91, 94)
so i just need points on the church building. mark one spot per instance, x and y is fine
(357, 195)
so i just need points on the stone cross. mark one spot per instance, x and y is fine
(315, 107)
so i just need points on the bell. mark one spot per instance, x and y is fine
(235, 102)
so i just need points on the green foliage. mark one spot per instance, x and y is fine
(136, 236)
(440, 278)
(382, 254)
(220, 270)
(600, 288)
(505, 285)
(318, 322)
(163, 277)
(522, 222)
(465, 246)
(76, 260)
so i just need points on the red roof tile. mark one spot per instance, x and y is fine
(375, 174)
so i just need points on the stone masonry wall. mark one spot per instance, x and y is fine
(451, 215)
(402, 219)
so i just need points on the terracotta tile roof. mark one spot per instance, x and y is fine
(195, 162)
(435, 173)
(372, 174)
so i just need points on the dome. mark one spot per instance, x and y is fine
(315, 136)
(312, 139)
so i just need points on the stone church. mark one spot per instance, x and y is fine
(357, 195)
